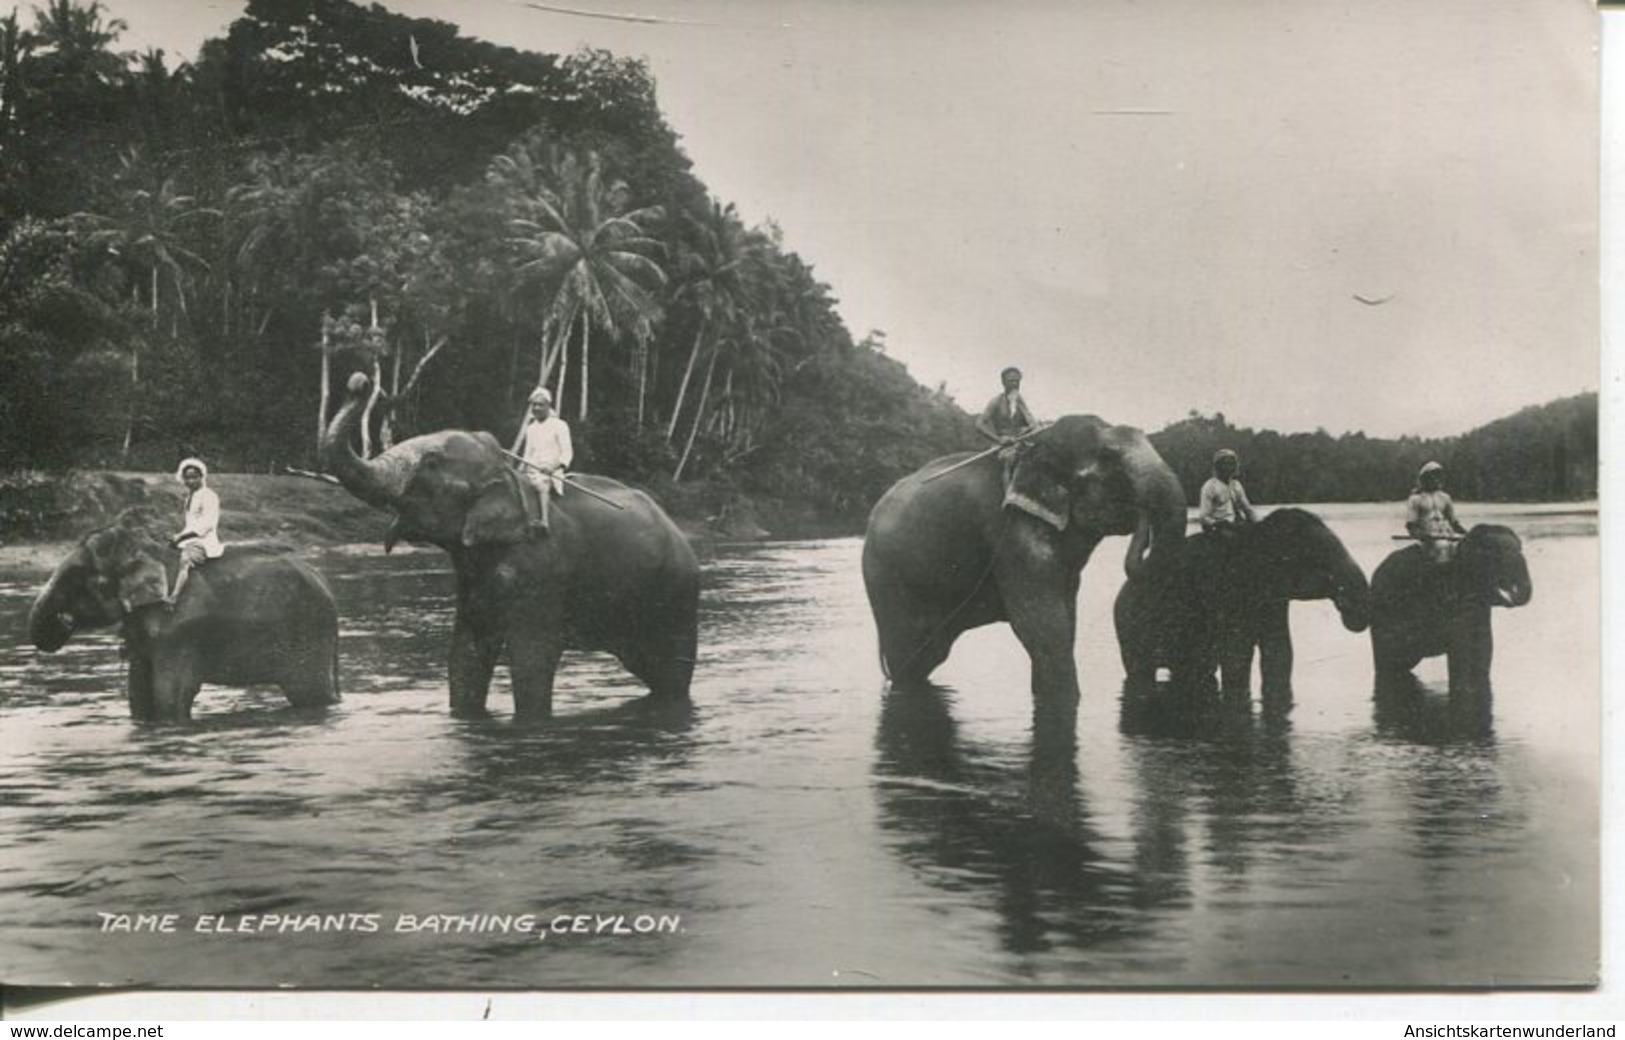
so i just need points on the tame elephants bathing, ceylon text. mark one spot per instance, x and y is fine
(614, 573)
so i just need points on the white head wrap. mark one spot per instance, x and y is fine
(186, 464)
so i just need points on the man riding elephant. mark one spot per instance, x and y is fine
(1008, 421)
(1430, 515)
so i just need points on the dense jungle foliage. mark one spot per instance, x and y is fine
(193, 258)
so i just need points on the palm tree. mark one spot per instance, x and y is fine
(149, 230)
(716, 265)
(79, 38)
(592, 256)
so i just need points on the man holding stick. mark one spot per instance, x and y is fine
(544, 446)
(1430, 515)
(1007, 420)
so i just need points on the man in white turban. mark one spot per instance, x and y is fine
(199, 538)
(544, 444)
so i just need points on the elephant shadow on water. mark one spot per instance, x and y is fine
(971, 817)
(506, 762)
(1225, 786)
(1405, 708)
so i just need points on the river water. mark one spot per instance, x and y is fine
(801, 826)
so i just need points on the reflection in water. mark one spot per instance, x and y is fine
(1404, 709)
(1217, 762)
(964, 814)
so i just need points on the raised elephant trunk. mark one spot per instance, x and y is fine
(379, 482)
(1160, 532)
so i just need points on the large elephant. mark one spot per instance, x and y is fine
(1229, 598)
(252, 616)
(613, 573)
(949, 549)
(1422, 608)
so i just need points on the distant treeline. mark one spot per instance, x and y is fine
(1541, 454)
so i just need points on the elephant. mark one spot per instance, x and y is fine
(951, 547)
(1422, 608)
(1229, 598)
(255, 615)
(613, 572)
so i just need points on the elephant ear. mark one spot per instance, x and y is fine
(142, 580)
(131, 567)
(1036, 488)
(497, 515)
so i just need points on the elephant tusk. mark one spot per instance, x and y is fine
(1138, 546)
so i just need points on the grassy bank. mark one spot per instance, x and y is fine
(40, 513)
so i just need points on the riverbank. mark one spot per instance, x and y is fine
(41, 514)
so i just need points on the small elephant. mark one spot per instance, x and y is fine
(252, 616)
(1423, 608)
(612, 574)
(950, 547)
(1229, 598)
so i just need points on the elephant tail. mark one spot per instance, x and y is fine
(335, 667)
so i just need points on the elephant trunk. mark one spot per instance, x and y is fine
(1161, 503)
(378, 482)
(1520, 590)
(49, 624)
(1353, 597)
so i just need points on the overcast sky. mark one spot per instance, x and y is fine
(1149, 207)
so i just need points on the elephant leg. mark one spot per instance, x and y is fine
(1390, 657)
(175, 685)
(665, 672)
(533, 663)
(914, 639)
(473, 658)
(313, 681)
(1471, 651)
(138, 689)
(1045, 626)
(1274, 636)
(1235, 648)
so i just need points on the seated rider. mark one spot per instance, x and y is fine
(544, 444)
(1430, 516)
(1224, 506)
(1007, 418)
(198, 540)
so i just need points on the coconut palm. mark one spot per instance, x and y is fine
(592, 255)
(716, 264)
(149, 231)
